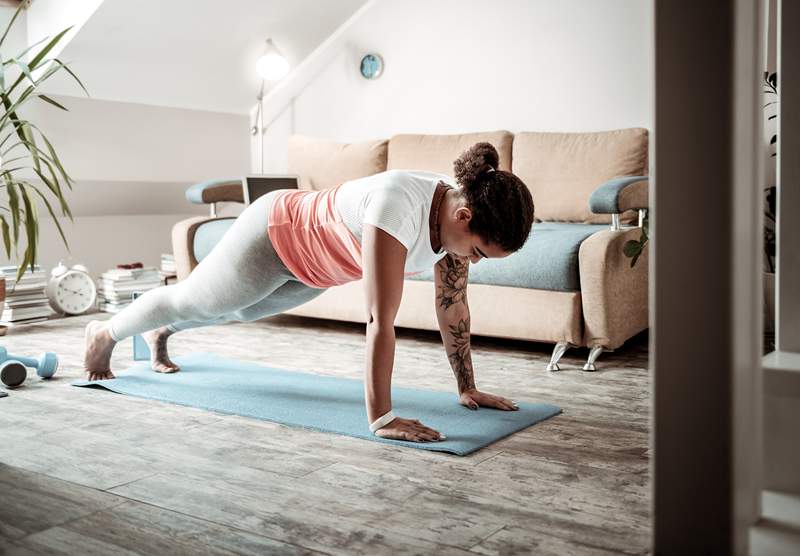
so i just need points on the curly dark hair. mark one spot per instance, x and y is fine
(502, 206)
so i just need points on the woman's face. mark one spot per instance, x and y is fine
(457, 238)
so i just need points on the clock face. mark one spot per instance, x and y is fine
(74, 293)
(371, 66)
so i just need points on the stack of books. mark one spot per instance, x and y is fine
(115, 287)
(28, 302)
(168, 269)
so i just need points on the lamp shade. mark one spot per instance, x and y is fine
(272, 66)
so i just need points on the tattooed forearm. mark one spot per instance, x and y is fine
(454, 321)
(458, 352)
(453, 288)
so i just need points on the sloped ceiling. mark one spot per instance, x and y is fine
(196, 54)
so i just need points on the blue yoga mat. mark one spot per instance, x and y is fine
(317, 402)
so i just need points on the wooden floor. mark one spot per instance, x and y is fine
(91, 472)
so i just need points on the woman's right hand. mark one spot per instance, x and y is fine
(409, 429)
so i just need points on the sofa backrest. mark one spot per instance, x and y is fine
(436, 153)
(322, 164)
(562, 169)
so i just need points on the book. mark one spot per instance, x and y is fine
(115, 287)
(25, 298)
(12, 324)
(25, 313)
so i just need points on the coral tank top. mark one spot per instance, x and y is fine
(312, 241)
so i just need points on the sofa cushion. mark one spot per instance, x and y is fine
(208, 235)
(322, 164)
(563, 169)
(436, 153)
(547, 261)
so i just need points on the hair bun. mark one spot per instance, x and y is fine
(476, 160)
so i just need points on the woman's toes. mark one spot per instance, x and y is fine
(165, 368)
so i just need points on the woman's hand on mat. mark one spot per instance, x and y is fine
(409, 429)
(474, 399)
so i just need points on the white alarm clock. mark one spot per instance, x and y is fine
(71, 290)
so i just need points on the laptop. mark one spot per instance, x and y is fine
(254, 187)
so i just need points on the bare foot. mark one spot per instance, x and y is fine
(99, 345)
(159, 358)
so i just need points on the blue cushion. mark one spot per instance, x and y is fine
(547, 261)
(605, 199)
(194, 194)
(208, 235)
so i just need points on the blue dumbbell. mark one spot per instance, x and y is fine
(12, 373)
(45, 366)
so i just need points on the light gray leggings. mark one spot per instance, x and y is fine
(241, 279)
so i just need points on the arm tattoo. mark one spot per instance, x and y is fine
(460, 357)
(453, 293)
(454, 282)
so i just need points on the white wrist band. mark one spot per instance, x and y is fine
(381, 422)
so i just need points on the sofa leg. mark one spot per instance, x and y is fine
(594, 353)
(558, 352)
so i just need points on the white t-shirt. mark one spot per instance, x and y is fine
(399, 203)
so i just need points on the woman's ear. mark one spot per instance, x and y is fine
(463, 214)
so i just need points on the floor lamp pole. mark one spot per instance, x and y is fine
(260, 126)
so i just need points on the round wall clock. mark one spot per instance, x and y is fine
(371, 66)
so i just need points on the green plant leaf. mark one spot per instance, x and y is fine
(52, 151)
(69, 71)
(6, 236)
(11, 23)
(13, 204)
(21, 268)
(53, 187)
(24, 52)
(51, 101)
(52, 214)
(631, 248)
(31, 222)
(23, 68)
(43, 52)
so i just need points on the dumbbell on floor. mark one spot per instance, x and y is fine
(45, 366)
(12, 373)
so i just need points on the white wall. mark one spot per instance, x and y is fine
(132, 164)
(108, 140)
(198, 54)
(47, 18)
(467, 65)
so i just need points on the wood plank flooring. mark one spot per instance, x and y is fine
(91, 472)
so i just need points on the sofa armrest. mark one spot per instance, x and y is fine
(614, 295)
(216, 191)
(183, 244)
(620, 194)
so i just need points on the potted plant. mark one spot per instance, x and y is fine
(770, 88)
(25, 148)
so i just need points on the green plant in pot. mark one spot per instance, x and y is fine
(770, 88)
(26, 151)
(770, 84)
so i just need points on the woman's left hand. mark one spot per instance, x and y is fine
(475, 398)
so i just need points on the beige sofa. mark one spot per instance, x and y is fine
(603, 305)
